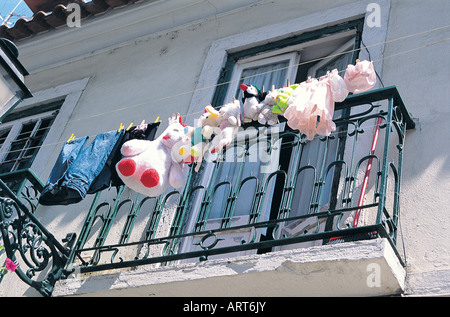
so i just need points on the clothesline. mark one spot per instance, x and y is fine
(274, 70)
(296, 65)
(209, 87)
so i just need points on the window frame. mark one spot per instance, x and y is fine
(215, 65)
(71, 93)
(255, 61)
(15, 127)
(291, 44)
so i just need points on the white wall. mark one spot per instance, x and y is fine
(421, 77)
(145, 60)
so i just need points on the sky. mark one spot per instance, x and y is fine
(6, 6)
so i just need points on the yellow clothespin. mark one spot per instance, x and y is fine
(157, 119)
(120, 127)
(129, 127)
(72, 137)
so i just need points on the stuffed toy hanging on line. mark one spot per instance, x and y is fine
(149, 167)
(207, 125)
(230, 121)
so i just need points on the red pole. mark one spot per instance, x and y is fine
(366, 177)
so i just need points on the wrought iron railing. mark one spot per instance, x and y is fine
(26, 241)
(338, 188)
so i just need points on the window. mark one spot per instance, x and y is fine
(263, 72)
(31, 135)
(21, 141)
(22, 134)
(238, 191)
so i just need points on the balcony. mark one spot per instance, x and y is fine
(331, 228)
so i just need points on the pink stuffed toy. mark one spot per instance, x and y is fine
(148, 167)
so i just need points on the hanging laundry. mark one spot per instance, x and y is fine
(206, 126)
(302, 108)
(360, 77)
(230, 121)
(144, 131)
(251, 102)
(76, 169)
(79, 171)
(266, 115)
(338, 87)
(148, 167)
(310, 106)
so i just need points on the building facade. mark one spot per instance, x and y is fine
(272, 220)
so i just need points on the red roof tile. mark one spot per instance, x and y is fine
(50, 14)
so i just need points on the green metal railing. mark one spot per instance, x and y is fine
(24, 238)
(339, 188)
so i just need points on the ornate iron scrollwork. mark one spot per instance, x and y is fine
(29, 244)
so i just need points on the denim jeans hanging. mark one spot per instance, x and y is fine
(76, 169)
(80, 171)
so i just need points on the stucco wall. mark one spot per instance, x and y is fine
(144, 61)
(421, 76)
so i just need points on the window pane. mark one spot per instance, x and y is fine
(267, 75)
(3, 135)
(5, 167)
(39, 135)
(25, 146)
(340, 63)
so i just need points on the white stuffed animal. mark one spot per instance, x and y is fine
(266, 116)
(148, 167)
(200, 136)
(251, 102)
(230, 121)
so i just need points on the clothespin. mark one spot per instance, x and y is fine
(288, 82)
(129, 127)
(357, 61)
(72, 137)
(157, 119)
(121, 127)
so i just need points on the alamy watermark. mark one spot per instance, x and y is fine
(374, 276)
(374, 17)
(74, 16)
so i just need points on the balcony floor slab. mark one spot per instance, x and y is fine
(360, 268)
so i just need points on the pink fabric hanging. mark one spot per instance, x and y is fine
(300, 108)
(360, 77)
(311, 107)
(325, 107)
(338, 87)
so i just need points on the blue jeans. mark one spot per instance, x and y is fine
(79, 171)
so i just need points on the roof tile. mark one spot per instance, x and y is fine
(47, 19)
